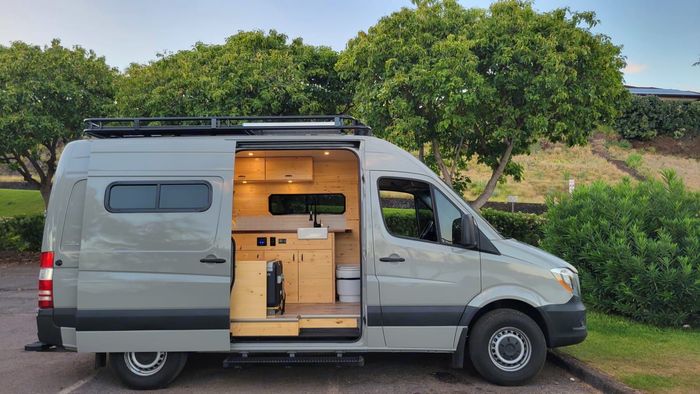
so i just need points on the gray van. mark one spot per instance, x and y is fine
(297, 239)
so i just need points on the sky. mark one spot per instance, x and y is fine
(660, 39)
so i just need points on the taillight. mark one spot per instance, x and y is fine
(46, 281)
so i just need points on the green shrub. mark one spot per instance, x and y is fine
(634, 161)
(646, 117)
(637, 247)
(525, 227)
(23, 233)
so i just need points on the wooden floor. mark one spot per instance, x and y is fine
(337, 309)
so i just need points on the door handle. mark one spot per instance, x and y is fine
(393, 258)
(211, 259)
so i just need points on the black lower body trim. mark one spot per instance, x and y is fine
(414, 315)
(566, 323)
(47, 331)
(155, 319)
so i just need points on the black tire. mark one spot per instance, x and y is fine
(497, 346)
(159, 375)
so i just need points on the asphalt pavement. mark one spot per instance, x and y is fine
(67, 372)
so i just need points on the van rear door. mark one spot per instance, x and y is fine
(155, 257)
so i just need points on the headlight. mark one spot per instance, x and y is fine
(568, 280)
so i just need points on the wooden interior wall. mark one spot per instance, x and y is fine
(336, 174)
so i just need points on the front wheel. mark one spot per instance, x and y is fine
(507, 347)
(147, 370)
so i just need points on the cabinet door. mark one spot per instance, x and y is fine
(290, 270)
(249, 169)
(316, 276)
(249, 255)
(289, 169)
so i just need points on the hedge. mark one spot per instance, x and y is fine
(637, 247)
(646, 117)
(22, 233)
(525, 227)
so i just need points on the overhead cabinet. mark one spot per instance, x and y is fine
(274, 169)
(289, 169)
(250, 169)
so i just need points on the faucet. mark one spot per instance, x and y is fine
(314, 216)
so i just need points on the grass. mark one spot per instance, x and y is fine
(546, 171)
(651, 164)
(634, 160)
(20, 202)
(657, 360)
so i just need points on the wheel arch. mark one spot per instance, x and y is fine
(508, 303)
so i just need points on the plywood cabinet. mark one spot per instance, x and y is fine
(249, 169)
(316, 283)
(289, 169)
(308, 266)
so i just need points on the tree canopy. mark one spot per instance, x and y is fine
(467, 83)
(44, 95)
(252, 73)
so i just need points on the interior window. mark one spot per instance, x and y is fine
(407, 208)
(449, 218)
(299, 204)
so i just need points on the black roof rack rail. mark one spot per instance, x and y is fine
(224, 125)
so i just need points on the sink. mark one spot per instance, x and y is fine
(312, 233)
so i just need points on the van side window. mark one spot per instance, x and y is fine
(407, 208)
(158, 197)
(449, 219)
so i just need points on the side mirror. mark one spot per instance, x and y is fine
(468, 231)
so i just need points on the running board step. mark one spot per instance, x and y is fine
(350, 360)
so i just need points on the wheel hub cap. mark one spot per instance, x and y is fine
(145, 364)
(509, 349)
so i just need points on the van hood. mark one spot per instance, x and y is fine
(530, 254)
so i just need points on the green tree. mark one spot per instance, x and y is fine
(505, 78)
(44, 95)
(252, 73)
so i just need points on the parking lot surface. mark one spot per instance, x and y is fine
(65, 372)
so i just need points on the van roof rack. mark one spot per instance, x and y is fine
(224, 125)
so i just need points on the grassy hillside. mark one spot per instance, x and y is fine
(548, 169)
(20, 202)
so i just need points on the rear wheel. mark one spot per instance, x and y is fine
(147, 370)
(507, 347)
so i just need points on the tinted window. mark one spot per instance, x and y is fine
(189, 197)
(158, 197)
(407, 208)
(298, 204)
(133, 197)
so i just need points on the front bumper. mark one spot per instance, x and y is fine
(566, 323)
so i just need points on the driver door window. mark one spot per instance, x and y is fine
(407, 209)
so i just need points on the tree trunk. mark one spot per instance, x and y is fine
(444, 169)
(45, 190)
(495, 176)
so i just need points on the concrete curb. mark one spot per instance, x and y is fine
(588, 374)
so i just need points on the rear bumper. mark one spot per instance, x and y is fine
(47, 331)
(566, 323)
